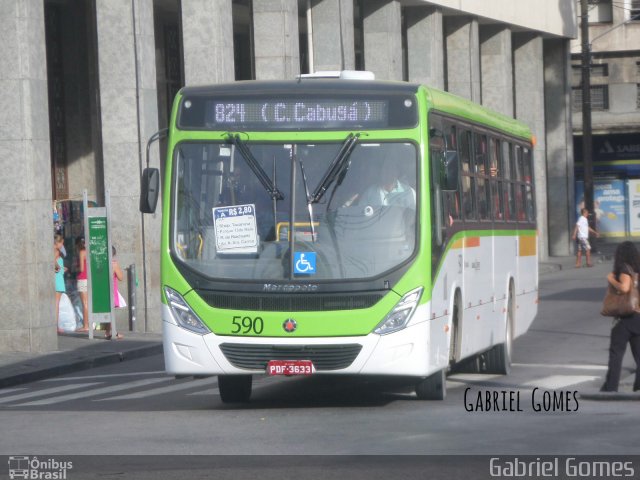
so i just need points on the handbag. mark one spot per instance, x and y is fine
(620, 304)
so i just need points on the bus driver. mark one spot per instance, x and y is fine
(389, 190)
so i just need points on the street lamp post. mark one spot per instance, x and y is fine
(587, 156)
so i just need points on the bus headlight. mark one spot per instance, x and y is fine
(398, 318)
(183, 314)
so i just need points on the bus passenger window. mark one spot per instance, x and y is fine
(528, 179)
(468, 187)
(496, 184)
(480, 168)
(520, 194)
(509, 197)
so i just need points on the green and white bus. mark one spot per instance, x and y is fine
(333, 226)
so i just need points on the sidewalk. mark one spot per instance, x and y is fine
(604, 254)
(76, 352)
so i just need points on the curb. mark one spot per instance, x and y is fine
(610, 396)
(78, 365)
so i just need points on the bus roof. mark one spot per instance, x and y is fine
(461, 107)
(310, 85)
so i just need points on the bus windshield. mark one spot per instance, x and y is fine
(227, 225)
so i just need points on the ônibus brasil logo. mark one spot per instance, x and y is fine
(38, 469)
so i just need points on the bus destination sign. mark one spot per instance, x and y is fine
(297, 113)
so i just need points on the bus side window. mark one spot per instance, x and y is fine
(467, 180)
(520, 196)
(509, 200)
(451, 200)
(494, 179)
(480, 170)
(528, 184)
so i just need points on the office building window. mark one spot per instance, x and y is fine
(600, 11)
(599, 98)
(634, 10)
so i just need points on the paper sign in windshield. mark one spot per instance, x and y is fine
(235, 229)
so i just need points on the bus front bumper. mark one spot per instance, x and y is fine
(407, 352)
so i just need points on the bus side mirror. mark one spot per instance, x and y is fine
(449, 171)
(149, 190)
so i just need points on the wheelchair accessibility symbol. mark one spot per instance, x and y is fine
(304, 263)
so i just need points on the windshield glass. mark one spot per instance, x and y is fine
(230, 224)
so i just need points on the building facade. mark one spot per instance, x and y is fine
(614, 36)
(89, 81)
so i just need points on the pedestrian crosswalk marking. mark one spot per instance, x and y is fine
(557, 366)
(46, 391)
(103, 376)
(4, 391)
(93, 393)
(555, 382)
(162, 390)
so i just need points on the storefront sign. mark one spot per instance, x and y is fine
(633, 187)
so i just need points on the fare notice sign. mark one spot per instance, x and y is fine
(235, 229)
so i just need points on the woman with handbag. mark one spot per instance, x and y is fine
(626, 266)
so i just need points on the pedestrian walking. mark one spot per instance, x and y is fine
(82, 283)
(59, 268)
(626, 264)
(581, 235)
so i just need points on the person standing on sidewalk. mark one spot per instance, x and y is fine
(82, 283)
(626, 264)
(59, 268)
(581, 233)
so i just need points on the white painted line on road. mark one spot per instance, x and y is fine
(555, 382)
(46, 391)
(473, 377)
(4, 391)
(162, 390)
(108, 375)
(93, 393)
(556, 366)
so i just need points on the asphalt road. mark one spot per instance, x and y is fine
(548, 405)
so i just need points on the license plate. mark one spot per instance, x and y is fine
(290, 367)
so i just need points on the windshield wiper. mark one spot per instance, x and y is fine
(257, 169)
(335, 169)
(306, 190)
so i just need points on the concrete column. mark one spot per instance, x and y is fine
(275, 38)
(425, 46)
(129, 116)
(496, 68)
(207, 36)
(559, 141)
(27, 302)
(463, 57)
(383, 39)
(529, 108)
(332, 24)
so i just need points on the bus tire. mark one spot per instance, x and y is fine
(235, 388)
(434, 387)
(498, 359)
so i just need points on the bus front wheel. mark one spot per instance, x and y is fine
(434, 387)
(234, 388)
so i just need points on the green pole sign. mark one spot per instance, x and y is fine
(99, 270)
(98, 242)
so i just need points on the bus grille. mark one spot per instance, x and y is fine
(289, 303)
(324, 357)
